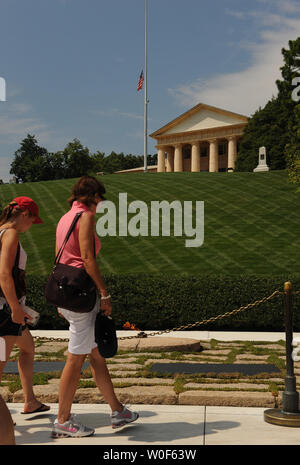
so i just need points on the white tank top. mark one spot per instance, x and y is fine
(22, 266)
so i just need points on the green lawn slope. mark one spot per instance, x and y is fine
(251, 222)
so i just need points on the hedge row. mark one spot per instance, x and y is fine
(160, 301)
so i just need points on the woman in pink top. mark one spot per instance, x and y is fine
(79, 251)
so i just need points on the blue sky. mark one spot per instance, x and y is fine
(71, 66)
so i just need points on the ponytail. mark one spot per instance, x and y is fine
(11, 211)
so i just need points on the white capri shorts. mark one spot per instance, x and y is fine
(82, 329)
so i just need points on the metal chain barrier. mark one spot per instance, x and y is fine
(191, 325)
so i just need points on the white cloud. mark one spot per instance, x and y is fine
(286, 6)
(17, 119)
(12, 128)
(244, 91)
(115, 112)
(5, 163)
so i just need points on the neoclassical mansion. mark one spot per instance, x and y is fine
(204, 138)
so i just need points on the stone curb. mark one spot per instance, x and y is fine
(160, 395)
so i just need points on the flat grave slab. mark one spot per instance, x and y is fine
(39, 367)
(194, 368)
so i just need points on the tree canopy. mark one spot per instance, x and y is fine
(34, 163)
(274, 125)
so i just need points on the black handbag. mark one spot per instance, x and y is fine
(106, 335)
(68, 286)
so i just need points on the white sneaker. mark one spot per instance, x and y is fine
(70, 429)
(119, 419)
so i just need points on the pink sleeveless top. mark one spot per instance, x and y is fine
(71, 254)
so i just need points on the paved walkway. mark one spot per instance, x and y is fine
(170, 425)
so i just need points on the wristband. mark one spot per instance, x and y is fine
(106, 297)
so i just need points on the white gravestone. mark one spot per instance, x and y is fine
(262, 160)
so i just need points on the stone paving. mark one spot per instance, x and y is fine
(134, 382)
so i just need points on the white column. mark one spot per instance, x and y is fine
(195, 157)
(231, 151)
(170, 159)
(213, 155)
(161, 160)
(178, 162)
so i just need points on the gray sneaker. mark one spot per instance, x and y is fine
(119, 419)
(70, 429)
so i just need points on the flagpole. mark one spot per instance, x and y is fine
(146, 90)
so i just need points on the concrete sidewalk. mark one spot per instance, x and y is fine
(167, 425)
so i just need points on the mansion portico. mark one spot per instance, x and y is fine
(204, 138)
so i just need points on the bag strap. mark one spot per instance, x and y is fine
(17, 256)
(59, 254)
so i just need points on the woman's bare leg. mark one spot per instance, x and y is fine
(103, 380)
(7, 434)
(25, 365)
(9, 343)
(68, 384)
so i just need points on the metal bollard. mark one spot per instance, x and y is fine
(289, 415)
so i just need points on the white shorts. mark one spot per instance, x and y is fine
(82, 329)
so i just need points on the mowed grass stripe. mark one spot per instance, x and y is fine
(251, 222)
(192, 251)
(251, 238)
(155, 250)
(144, 242)
(185, 186)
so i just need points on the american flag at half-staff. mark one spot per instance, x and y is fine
(141, 80)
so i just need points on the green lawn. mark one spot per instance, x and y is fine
(252, 223)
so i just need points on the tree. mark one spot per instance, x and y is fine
(30, 161)
(112, 162)
(98, 161)
(58, 167)
(272, 126)
(290, 71)
(267, 127)
(77, 160)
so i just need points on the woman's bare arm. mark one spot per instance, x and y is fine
(7, 258)
(86, 243)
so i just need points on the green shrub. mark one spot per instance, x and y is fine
(160, 301)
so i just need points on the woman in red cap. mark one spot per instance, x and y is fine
(17, 217)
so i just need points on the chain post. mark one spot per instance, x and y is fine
(290, 397)
(290, 414)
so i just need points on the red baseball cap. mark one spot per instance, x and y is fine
(26, 203)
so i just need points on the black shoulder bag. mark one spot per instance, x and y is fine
(68, 286)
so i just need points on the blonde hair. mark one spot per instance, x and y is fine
(10, 212)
